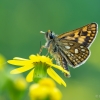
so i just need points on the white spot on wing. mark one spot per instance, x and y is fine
(76, 50)
(73, 60)
(72, 54)
(67, 47)
(69, 55)
(82, 55)
(79, 57)
(81, 46)
(82, 49)
(76, 59)
(70, 43)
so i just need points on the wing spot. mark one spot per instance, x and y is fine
(82, 49)
(89, 40)
(72, 54)
(82, 55)
(79, 57)
(76, 50)
(76, 59)
(68, 55)
(91, 37)
(93, 25)
(67, 47)
(82, 59)
(92, 34)
(75, 63)
(88, 34)
(81, 46)
(86, 55)
(93, 31)
(70, 43)
(87, 51)
(73, 60)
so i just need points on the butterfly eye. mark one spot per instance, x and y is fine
(51, 36)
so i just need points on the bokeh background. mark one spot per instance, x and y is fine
(20, 24)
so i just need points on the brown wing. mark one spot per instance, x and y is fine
(74, 53)
(84, 35)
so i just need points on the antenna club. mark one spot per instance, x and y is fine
(42, 32)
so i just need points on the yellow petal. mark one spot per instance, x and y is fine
(60, 68)
(52, 75)
(47, 82)
(29, 77)
(55, 76)
(18, 58)
(38, 58)
(34, 58)
(45, 59)
(19, 62)
(22, 69)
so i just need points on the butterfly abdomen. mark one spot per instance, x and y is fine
(64, 64)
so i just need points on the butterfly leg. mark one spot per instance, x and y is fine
(41, 49)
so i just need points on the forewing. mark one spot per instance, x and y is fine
(74, 53)
(84, 35)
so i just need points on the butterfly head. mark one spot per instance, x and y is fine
(49, 35)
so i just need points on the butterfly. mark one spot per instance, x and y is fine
(71, 48)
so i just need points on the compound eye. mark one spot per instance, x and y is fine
(51, 36)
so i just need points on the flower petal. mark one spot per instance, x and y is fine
(29, 77)
(38, 58)
(55, 76)
(22, 69)
(51, 74)
(34, 58)
(60, 68)
(19, 62)
(18, 58)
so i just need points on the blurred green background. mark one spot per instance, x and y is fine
(20, 24)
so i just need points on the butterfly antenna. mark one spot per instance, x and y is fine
(42, 32)
(40, 48)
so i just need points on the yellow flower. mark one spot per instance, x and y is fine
(40, 65)
(2, 62)
(20, 83)
(45, 90)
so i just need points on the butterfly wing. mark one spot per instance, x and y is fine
(74, 53)
(73, 45)
(84, 35)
